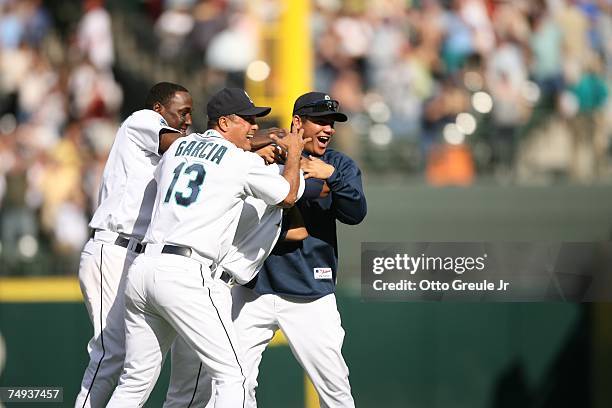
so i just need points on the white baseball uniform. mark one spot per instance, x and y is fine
(257, 232)
(314, 332)
(203, 180)
(126, 200)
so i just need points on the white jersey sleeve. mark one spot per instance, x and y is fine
(264, 182)
(281, 167)
(127, 191)
(144, 127)
(301, 187)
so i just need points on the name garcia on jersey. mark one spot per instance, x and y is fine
(211, 151)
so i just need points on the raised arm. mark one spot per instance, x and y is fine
(293, 143)
(344, 182)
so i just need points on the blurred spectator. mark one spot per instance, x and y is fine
(589, 145)
(94, 93)
(60, 177)
(37, 83)
(172, 28)
(545, 45)
(474, 13)
(19, 225)
(71, 230)
(506, 79)
(448, 101)
(459, 40)
(95, 35)
(11, 25)
(210, 18)
(603, 25)
(234, 48)
(36, 22)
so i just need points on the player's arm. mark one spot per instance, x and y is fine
(293, 143)
(293, 225)
(324, 190)
(166, 138)
(344, 183)
(315, 188)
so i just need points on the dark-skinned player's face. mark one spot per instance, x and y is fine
(320, 129)
(177, 111)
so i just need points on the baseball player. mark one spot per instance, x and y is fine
(257, 232)
(294, 291)
(126, 200)
(172, 289)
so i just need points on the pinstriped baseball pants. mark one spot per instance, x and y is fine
(169, 295)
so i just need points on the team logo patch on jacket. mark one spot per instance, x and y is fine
(322, 273)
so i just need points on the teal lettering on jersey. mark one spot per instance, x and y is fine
(189, 148)
(206, 146)
(199, 147)
(179, 149)
(219, 154)
(212, 151)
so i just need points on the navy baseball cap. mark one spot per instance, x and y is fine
(236, 101)
(318, 104)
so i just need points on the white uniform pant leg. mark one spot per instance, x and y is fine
(185, 297)
(102, 273)
(315, 334)
(190, 383)
(148, 338)
(255, 323)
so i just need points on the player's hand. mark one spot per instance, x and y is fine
(293, 142)
(262, 137)
(272, 154)
(325, 190)
(315, 167)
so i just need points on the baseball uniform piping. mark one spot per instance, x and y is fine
(195, 389)
(228, 339)
(101, 330)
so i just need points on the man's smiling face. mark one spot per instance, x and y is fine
(320, 129)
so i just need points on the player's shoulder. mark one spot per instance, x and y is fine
(145, 117)
(253, 159)
(184, 140)
(336, 157)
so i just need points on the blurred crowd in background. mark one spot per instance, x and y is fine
(449, 91)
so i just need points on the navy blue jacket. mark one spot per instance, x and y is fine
(290, 269)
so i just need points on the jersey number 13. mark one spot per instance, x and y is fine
(194, 186)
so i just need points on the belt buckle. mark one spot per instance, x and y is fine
(227, 278)
(134, 245)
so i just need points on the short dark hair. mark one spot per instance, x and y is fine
(212, 123)
(162, 92)
(215, 121)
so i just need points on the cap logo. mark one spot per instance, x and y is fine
(250, 100)
(327, 98)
